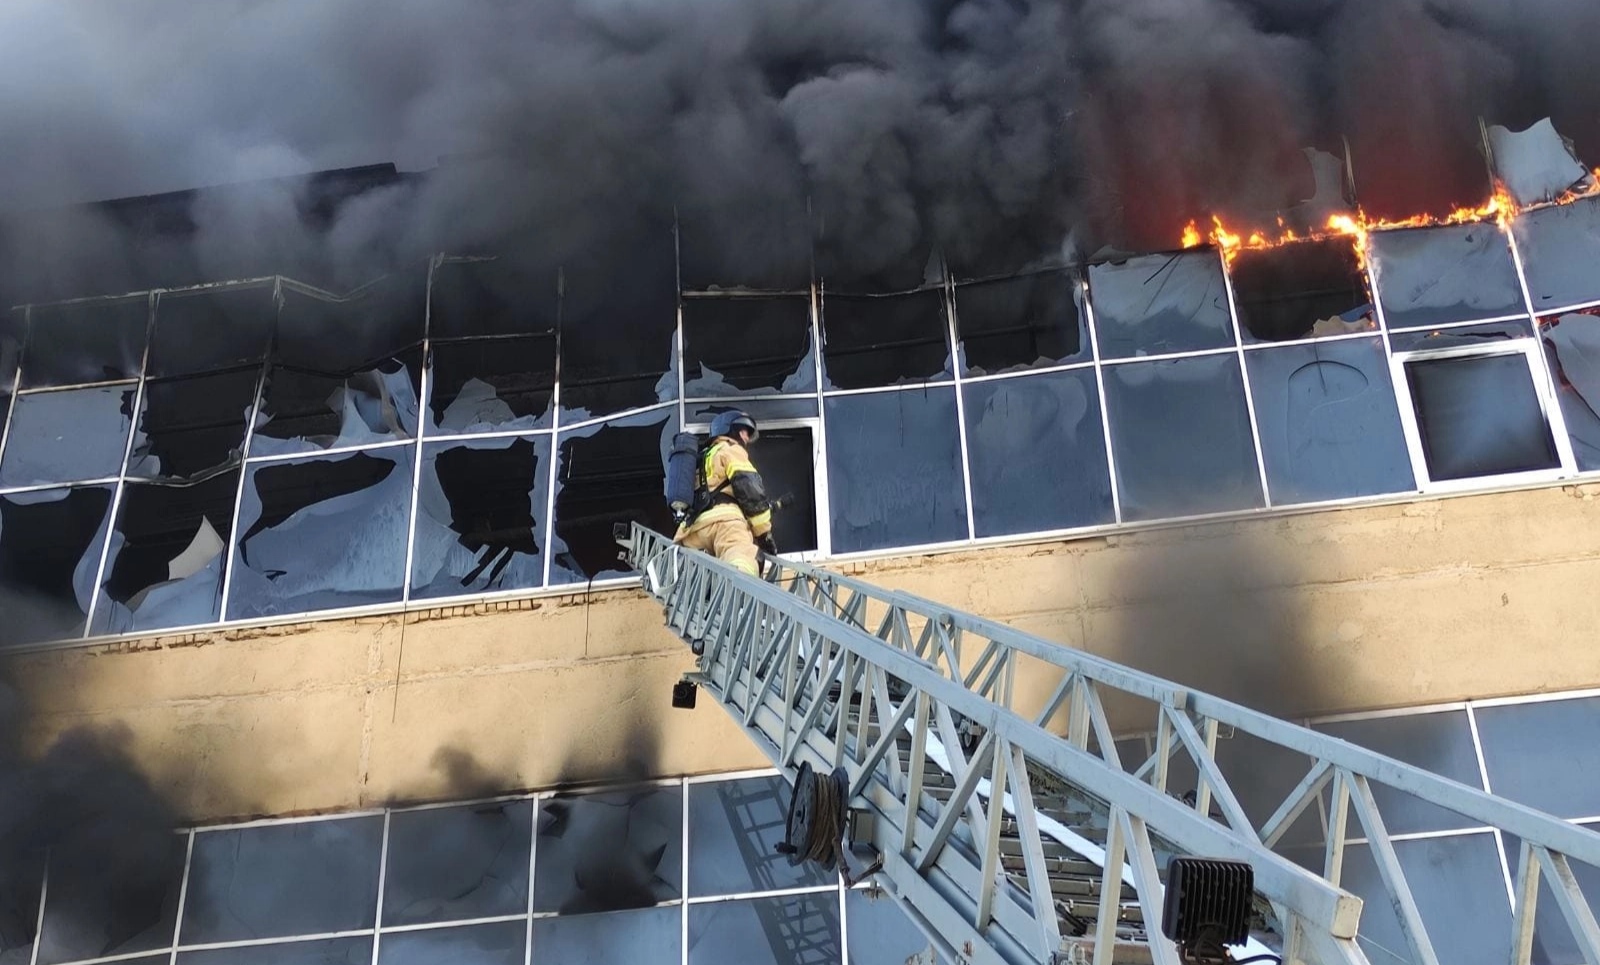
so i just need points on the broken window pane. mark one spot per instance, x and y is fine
(1480, 416)
(500, 943)
(1560, 248)
(618, 339)
(67, 436)
(164, 568)
(210, 330)
(608, 473)
(1303, 290)
(872, 340)
(736, 345)
(1440, 742)
(1421, 340)
(647, 936)
(453, 864)
(1158, 304)
(1181, 434)
(97, 911)
(609, 851)
(481, 508)
(327, 951)
(1572, 348)
(1459, 890)
(86, 342)
(1541, 754)
(1024, 322)
(795, 930)
(1434, 276)
(879, 932)
(497, 296)
(492, 385)
(379, 320)
(50, 545)
(1330, 428)
(192, 426)
(322, 532)
(1038, 454)
(734, 829)
(894, 469)
(303, 878)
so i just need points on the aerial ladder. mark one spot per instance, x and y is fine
(971, 771)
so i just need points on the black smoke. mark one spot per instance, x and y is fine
(995, 131)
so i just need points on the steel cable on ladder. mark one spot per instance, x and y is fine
(814, 829)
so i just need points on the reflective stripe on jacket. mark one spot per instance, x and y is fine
(724, 460)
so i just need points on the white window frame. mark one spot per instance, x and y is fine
(819, 478)
(1531, 350)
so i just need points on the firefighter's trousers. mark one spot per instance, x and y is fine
(728, 540)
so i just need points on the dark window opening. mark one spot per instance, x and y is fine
(884, 340)
(868, 262)
(166, 563)
(1180, 431)
(337, 335)
(50, 546)
(19, 906)
(198, 332)
(619, 322)
(1330, 425)
(609, 851)
(762, 410)
(1560, 246)
(99, 908)
(67, 436)
(763, 246)
(786, 459)
(1480, 416)
(894, 470)
(735, 345)
(1435, 276)
(493, 384)
(481, 508)
(1160, 304)
(1572, 346)
(500, 296)
(320, 533)
(88, 342)
(1024, 322)
(305, 410)
(1303, 290)
(613, 475)
(191, 426)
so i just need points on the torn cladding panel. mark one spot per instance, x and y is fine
(1302, 290)
(877, 340)
(481, 511)
(1024, 322)
(1436, 276)
(618, 342)
(1572, 347)
(168, 551)
(608, 473)
(50, 547)
(609, 851)
(789, 930)
(1180, 431)
(65, 436)
(191, 426)
(1479, 416)
(894, 469)
(319, 533)
(457, 864)
(1038, 454)
(1330, 428)
(1535, 165)
(211, 330)
(343, 372)
(95, 911)
(493, 328)
(494, 943)
(1159, 304)
(308, 878)
(745, 345)
(1560, 246)
(76, 344)
(644, 936)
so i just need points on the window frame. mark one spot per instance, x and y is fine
(819, 478)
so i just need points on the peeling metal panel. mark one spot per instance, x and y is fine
(1537, 164)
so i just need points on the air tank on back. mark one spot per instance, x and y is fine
(682, 472)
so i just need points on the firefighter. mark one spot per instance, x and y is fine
(734, 515)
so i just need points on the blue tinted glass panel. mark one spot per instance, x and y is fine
(1330, 426)
(1181, 433)
(501, 943)
(321, 533)
(1544, 755)
(609, 851)
(1433, 276)
(98, 908)
(306, 878)
(481, 509)
(648, 936)
(50, 545)
(1460, 892)
(1560, 249)
(329, 951)
(1552, 938)
(734, 830)
(1158, 304)
(67, 436)
(458, 863)
(894, 469)
(1480, 416)
(1572, 348)
(1440, 742)
(1038, 454)
(799, 930)
(880, 933)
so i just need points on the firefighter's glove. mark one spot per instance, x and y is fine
(767, 545)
